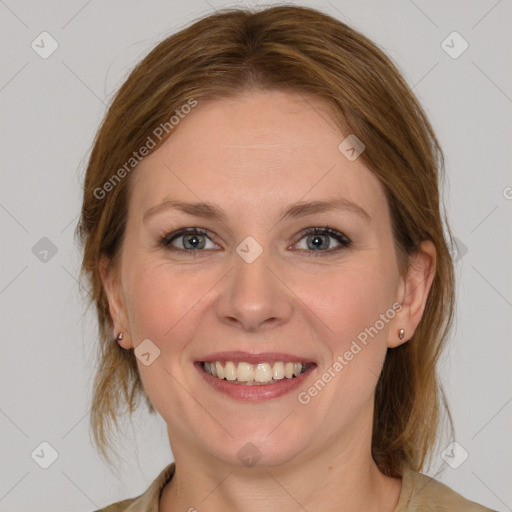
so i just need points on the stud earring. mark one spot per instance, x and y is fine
(118, 338)
(401, 334)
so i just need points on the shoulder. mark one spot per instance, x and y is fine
(147, 501)
(119, 506)
(422, 493)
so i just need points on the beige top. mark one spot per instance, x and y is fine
(420, 493)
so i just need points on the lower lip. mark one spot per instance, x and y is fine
(257, 392)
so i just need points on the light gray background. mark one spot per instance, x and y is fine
(51, 109)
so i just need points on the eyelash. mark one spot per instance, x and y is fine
(340, 237)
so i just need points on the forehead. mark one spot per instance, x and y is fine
(274, 147)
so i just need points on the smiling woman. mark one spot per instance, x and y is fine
(275, 270)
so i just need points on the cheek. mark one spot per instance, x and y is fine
(159, 302)
(349, 302)
(164, 306)
(353, 310)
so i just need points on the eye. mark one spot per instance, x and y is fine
(317, 241)
(190, 241)
(187, 240)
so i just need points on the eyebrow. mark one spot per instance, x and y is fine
(296, 210)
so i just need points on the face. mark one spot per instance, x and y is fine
(259, 278)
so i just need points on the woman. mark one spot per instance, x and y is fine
(263, 237)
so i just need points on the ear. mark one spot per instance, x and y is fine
(413, 293)
(113, 290)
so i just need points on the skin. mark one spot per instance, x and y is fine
(252, 155)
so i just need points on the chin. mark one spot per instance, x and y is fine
(257, 450)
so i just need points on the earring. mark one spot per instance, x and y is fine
(118, 338)
(401, 334)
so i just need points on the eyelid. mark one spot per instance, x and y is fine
(343, 240)
(168, 238)
(324, 230)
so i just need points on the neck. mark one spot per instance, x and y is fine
(345, 483)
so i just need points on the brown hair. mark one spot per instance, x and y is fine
(300, 49)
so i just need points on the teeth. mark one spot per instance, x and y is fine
(278, 371)
(245, 372)
(230, 371)
(261, 373)
(220, 370)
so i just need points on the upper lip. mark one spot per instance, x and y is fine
(252, 358)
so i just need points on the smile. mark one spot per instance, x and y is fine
(254, 374)
(254, 377)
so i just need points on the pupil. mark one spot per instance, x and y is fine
(194, 241)
(317, 241)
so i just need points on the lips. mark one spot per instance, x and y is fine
(246, 376)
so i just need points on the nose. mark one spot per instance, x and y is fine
(254, 296)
